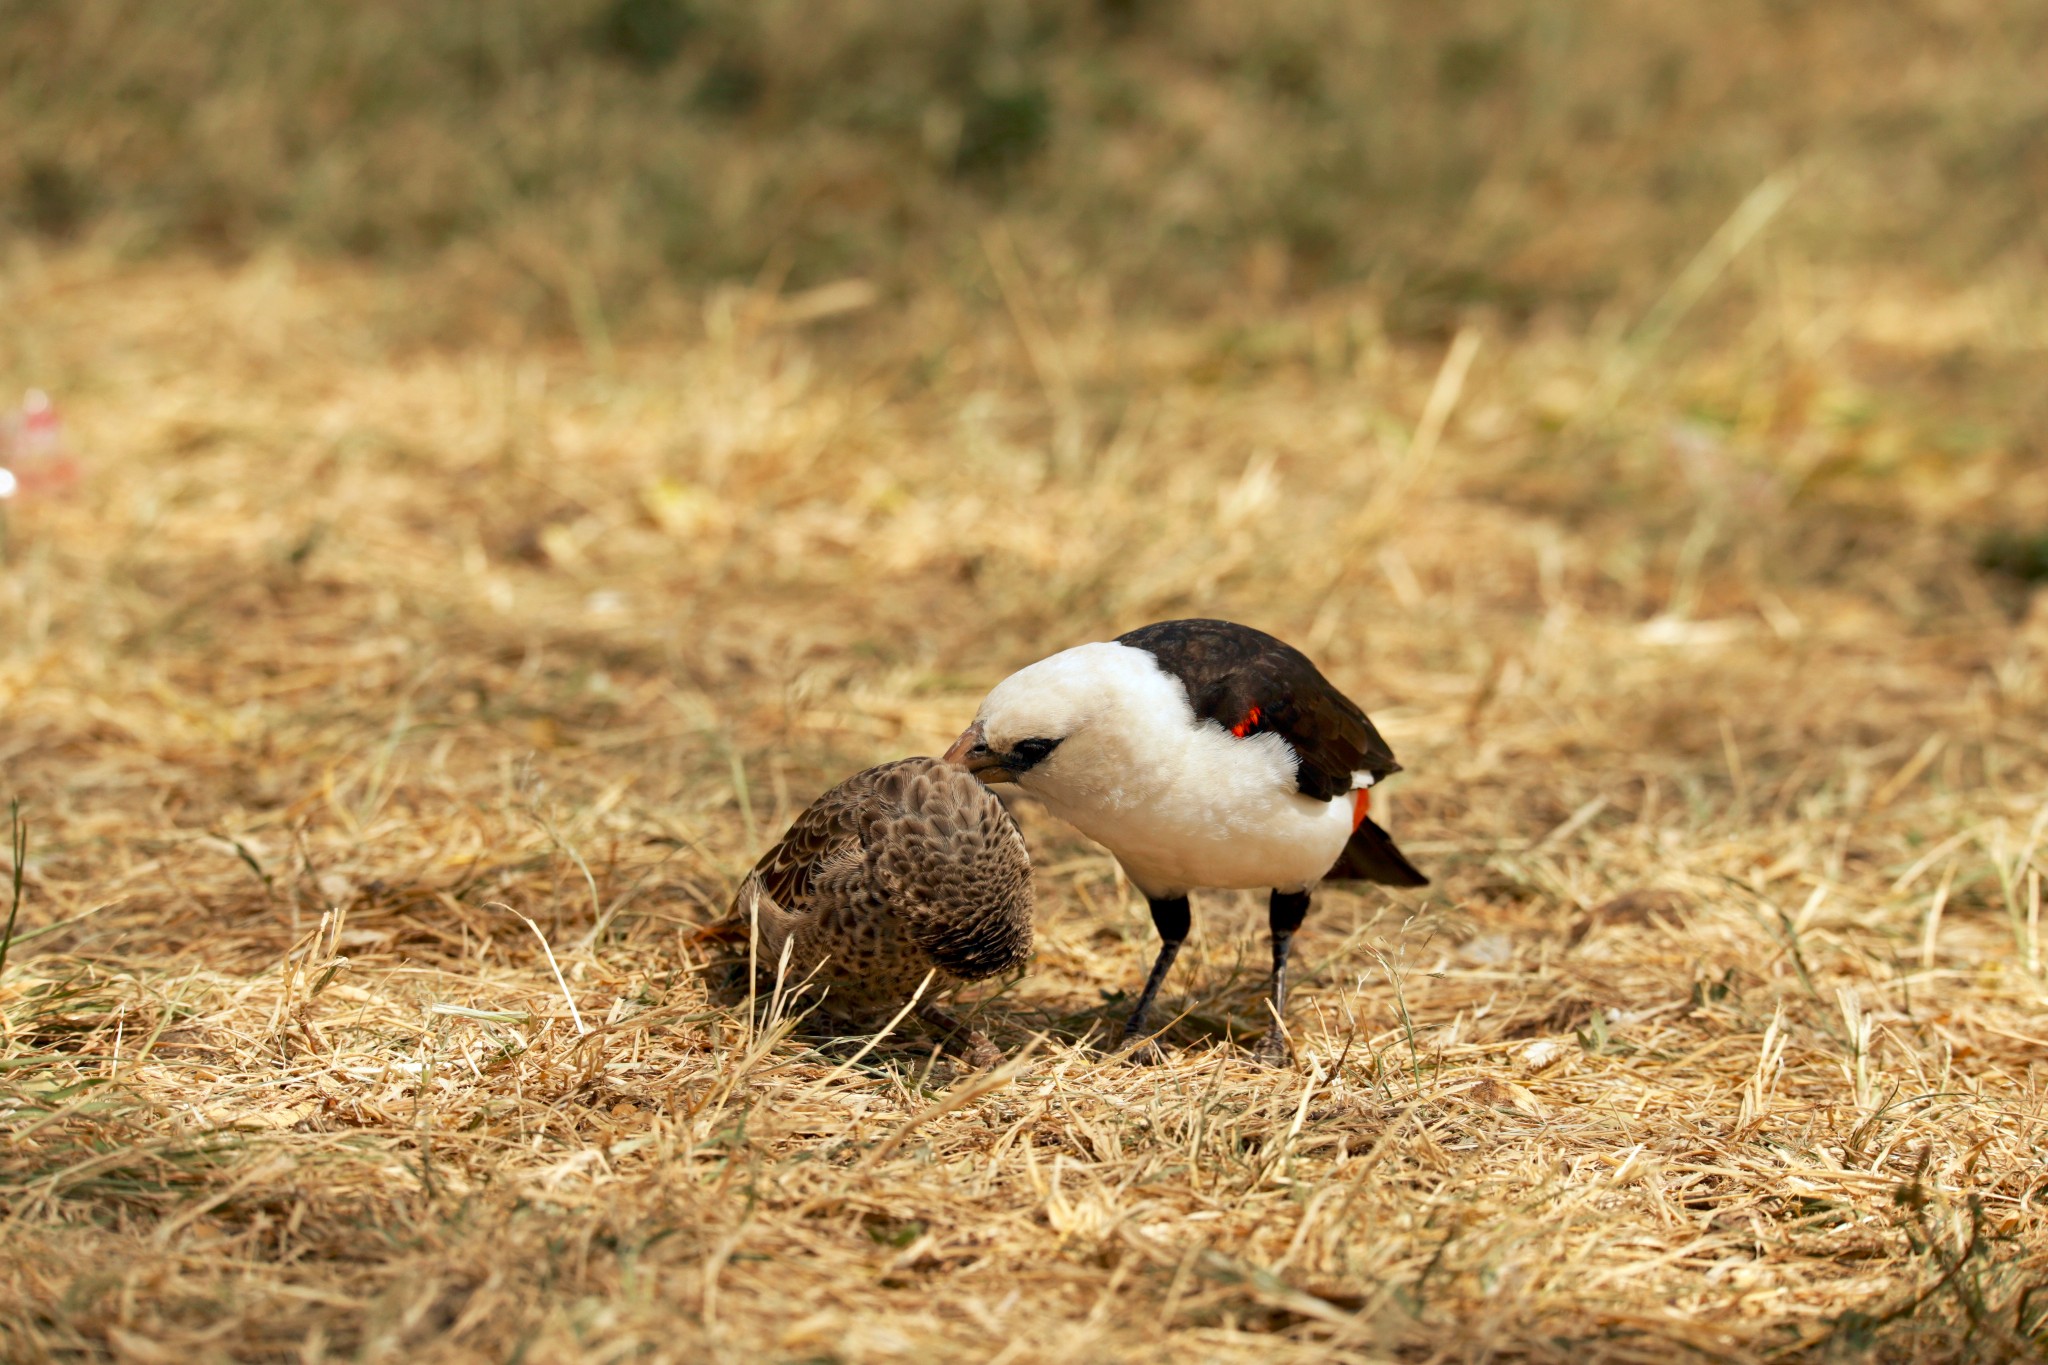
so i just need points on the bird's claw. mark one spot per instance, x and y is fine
(1142, 1050)
(1273, 1050)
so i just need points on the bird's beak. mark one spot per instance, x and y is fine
(971, 752)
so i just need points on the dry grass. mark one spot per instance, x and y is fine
(1720, 1034)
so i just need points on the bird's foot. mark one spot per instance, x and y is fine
(962, 1039)
(1141, 1049)
(982, 1054)
(1273, 1050)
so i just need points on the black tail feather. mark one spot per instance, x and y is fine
(1372, 857)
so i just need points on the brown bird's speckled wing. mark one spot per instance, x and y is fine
(790, 869)
(918, 845)
(951, 863)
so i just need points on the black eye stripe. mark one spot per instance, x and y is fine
(1028, 753)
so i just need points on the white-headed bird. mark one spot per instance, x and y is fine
(1201, 754)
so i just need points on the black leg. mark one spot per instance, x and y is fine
(1284, 913)
(1172, 919)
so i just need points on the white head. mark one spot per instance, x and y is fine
(1075, 729)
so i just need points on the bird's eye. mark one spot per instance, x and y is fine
(1028, 753)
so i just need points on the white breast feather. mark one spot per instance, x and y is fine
(1181, 804)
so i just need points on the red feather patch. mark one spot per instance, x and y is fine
(1361, 804)
(1244, 727)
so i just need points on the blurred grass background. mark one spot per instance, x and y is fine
(1518, 155)
(586, 169)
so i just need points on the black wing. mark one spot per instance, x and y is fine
(1372, 857)
(1250, 683)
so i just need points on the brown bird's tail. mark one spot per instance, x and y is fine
(751, 903)
(1372, 857)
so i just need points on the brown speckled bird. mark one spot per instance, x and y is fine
(910, 868)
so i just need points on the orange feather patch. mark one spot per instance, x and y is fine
(1244, 727)
(1361, 803)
